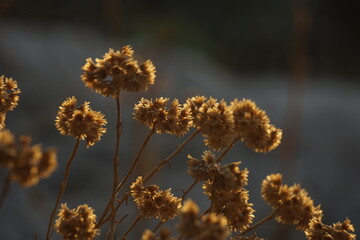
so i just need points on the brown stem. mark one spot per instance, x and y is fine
(157, 226)
(137, 219)
(188, 190)
(62, 187)
(171, 156)
(136, 160)
(5, 189)
(115, 167)
(231, 145)
(265, 219)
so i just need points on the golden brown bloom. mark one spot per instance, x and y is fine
(214, 119)
(164, 235)
(223, 178)
(9, 97)
(81, 122)
(153, 202)
(338, 231)
(27, 163)
(234, 205)
(76, 224)
(174, 120)
(208, 227)
(117, 71)
(253, 126)
(252, 237)
(291, 204)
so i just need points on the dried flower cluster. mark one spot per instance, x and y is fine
(80, 122)
(224, 185)
(253, 126)
(292, 204)
(174, 120)
(76, 224)
(117, 71)
(208, 227)
(9, 97)
(153, 202)
(221, 123)
(27, 163)
(252, 237)
(338, 231)
(163, 235)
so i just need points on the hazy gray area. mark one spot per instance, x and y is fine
(46, 61)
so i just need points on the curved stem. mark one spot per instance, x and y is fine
(265, 219)
(62, 187)
(171, 156)
(231, 145)
(115, 167)
(158, 226)
(188, 190)
(137, 219)
(5, 188)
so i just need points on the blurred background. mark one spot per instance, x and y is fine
(298, 60)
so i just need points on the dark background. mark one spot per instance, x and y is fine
(298, 60)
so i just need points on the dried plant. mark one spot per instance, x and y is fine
(230, 214)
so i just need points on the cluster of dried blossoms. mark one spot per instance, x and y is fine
(77, 224)
(224, 186)
(117, 71)
(338, 231)
(208, 227)
(27, 163)
(9, 97)
(163, 235)
(174, 120)
(80, 122)
(292, 205)
(153, 202)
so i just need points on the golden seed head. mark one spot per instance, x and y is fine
(292, 204)
(253, 126)
(118, 71)
(174, 120)
(27, 163)
(209, 226)
(76, 224)
(9, 97)
(81, 122)
(153, 202)
(337, 231)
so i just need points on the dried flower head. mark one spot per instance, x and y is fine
(153, 202)
(234, 205)
(174, 120)
(253, 126)
(164, 235)
(223, 178)
(214, 119)
(292, 204)
(117, 71)
(210, 226)
(9, 97)
(252, 237)
(81, 122)
(338, 231)
(76, 224)
(27, 163)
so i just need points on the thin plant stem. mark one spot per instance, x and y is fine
(222, 155)
(5, 189)
(265, 219)
(62, 187)
(115, 166)
(137, 219)
(158, 226)
(186, 192)
(136, 160)
(171, 156)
